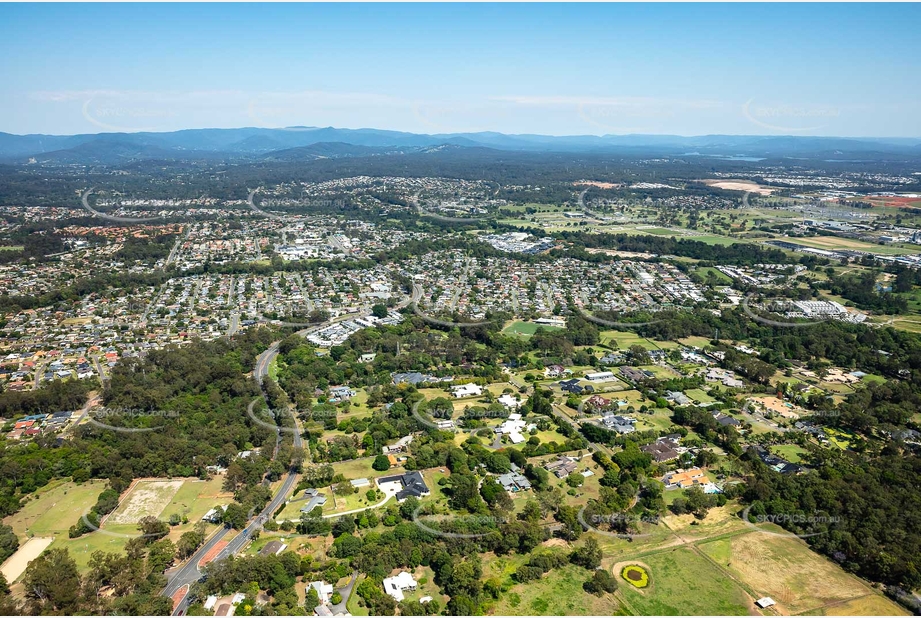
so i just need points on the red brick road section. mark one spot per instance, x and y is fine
(212, 553)
(179, 594)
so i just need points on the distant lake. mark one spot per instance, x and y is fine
(726, 157)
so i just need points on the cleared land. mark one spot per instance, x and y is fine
(147, 498)
(16, 564)
(740, 185)
(785, 569)
(682, 582)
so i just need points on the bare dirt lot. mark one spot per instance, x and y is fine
(17, 563)
(600, 185)
(740, 185)
(147, 498)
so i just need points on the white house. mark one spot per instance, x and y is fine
(324, 590)
(599, 376)
(394, 586)
(508, 401)
(467, 390)
(514, 427)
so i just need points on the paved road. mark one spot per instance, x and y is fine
(190, 573)
(346, 592)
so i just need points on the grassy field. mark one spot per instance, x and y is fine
(683, 582)
(832, 243)
(706, 271)
(791, 452)
(699, 395)
(662, 373)
(785, 569)
(54, 508)
(695, 341)
(195, 498)
(527, 328)
(359, 468)
(622, 340)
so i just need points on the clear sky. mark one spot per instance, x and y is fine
(558, 69)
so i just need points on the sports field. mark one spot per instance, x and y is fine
(527, 328)
(54, 508)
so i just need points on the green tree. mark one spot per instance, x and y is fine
(381, 463)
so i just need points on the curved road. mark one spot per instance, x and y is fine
(189, 573)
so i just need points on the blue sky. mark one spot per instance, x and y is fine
(796, 69)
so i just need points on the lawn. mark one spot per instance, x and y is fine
(683, 582)
(791, 452)
(699, 395)
(785, 569)
(839, 438)
(526, 328)
(695, 341)
(54, 508)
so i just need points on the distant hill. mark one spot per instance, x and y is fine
(305, 143)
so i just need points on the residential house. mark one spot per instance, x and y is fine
(514, 482)
(405, 485)
(620, 424)
(394, 586)
(562, 467)
(272, 548)
(467, 390)
(662, 450)
(324, 590)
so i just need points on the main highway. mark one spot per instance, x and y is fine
(189, 573)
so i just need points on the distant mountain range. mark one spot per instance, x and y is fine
(311, 143)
